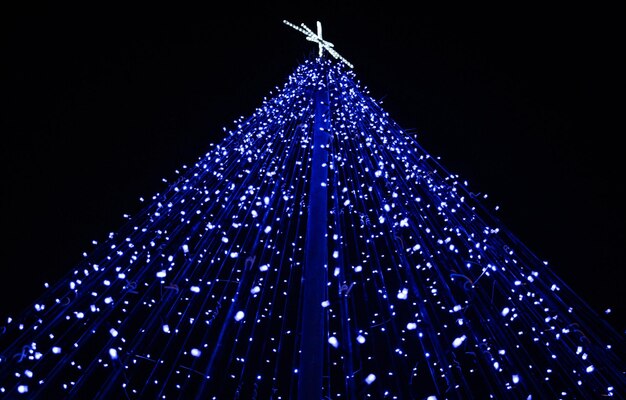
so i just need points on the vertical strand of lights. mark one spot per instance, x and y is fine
(316, 250)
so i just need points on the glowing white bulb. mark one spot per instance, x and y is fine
(458, 341)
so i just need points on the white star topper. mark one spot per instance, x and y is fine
(317, 37)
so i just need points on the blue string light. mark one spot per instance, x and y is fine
(200, 295)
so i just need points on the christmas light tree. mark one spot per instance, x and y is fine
(317, 251)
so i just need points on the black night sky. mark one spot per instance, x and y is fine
(527, 104)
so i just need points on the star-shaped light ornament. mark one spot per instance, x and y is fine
(317, 38)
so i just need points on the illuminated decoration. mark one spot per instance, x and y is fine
(425, 293)
(317, 38)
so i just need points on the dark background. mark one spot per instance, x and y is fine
(526, 103)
